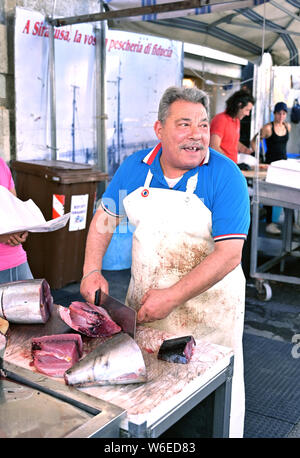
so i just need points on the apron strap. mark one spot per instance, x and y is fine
(148, 180)
(192, 184)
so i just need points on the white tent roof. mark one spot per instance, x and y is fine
(245, 28)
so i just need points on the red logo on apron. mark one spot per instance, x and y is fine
(145, 193)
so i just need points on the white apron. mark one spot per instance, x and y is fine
(173, 235)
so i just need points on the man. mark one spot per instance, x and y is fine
(190, 209)
(225, 127)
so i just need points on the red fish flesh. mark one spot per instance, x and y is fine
(27, 301)
(89, 319)
(177, 350)
(53, 355)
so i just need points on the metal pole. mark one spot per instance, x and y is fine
(137, 11)
(52, 94)
(73, 121)
(101, 115)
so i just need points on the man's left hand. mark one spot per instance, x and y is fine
(156, 305)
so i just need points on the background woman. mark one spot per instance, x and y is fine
(13, 258)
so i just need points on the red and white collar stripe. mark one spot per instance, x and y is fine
(151, 156)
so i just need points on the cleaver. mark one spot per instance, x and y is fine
(123, 315)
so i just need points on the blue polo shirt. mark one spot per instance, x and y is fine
(221, 187)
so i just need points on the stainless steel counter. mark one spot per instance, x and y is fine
(281, 196)
(35, 406)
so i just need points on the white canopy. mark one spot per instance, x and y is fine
(245, 28)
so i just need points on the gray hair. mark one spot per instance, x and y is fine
(189, 94)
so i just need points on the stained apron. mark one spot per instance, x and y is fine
(172, 236)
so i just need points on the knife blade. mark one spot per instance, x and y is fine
(123, 315)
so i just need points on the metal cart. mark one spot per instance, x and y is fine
(281, 196)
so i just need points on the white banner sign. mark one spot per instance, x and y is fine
(139, 68)
(79, 205)
(75, 93)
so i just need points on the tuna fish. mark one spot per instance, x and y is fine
(177, 350)
(118, 360)
(88, 319)
(53, 355)
(27, 301)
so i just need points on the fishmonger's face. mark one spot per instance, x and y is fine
(184, 137)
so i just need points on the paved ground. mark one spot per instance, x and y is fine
(277, 319)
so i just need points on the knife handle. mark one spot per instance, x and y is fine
(97, 296)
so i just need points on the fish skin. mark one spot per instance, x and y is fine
(175, 350)
(26, 301)
(117, 361)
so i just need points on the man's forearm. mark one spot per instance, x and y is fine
(209, 272)
(159, 303)
(98, 239)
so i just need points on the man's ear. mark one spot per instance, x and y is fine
(157, 129)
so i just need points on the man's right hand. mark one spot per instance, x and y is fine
(91, 284)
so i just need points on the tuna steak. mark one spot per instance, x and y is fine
(53, 355)
(89, 319)
(27, 301)
(177, 350)
(118, 360)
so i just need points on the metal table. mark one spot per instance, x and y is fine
(281, 196)
(35, 406)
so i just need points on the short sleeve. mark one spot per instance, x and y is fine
(231, 207)
(112, 199)
(6, 179)
(217, 126)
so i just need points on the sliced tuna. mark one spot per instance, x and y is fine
(89, 319)
(53, 355)
(118, 360)
(177, 350)
(27, 301)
